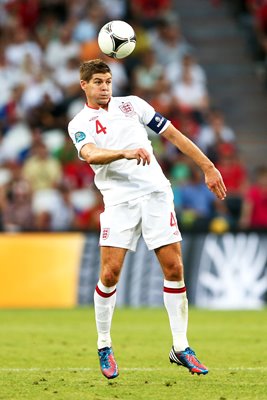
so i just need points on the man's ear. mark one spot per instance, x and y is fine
(83, 84)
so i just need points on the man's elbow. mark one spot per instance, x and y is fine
(91, 159)
(88, 155)
(95, 159)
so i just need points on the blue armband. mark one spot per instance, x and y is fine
(157, 122)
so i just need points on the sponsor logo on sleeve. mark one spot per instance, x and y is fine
(79, 136)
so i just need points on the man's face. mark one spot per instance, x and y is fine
(98, 90)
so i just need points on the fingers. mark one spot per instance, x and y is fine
(218, 189)
(216, 184)
(143, 156)
(220, 193)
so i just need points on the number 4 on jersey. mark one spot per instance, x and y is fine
(99, 127)
(173, 220)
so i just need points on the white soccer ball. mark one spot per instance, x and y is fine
(117, 39)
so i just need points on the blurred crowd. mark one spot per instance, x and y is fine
(43, 184)
(251, 16)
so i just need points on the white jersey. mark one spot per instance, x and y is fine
(122, 127)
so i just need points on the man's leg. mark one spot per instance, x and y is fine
(174, 294)
(175, 300)
(104, 299)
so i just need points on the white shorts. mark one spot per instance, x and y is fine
(151, 215)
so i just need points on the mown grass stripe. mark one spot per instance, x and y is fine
(85, 369)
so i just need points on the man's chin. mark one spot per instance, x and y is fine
(103, 101)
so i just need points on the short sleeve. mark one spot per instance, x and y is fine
(79, 136)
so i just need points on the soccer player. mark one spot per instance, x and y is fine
(110, 134)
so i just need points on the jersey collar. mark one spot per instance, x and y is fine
(98, 108)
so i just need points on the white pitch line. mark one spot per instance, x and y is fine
(122, 369)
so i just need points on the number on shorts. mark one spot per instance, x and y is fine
(173, 220)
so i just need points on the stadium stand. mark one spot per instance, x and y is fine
(191, 63)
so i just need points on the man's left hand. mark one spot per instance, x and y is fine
(214, 182)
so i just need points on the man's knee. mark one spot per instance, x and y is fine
(111, 265)
(110, 274)
(173, 270)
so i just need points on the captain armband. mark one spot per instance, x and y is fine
(157, 123)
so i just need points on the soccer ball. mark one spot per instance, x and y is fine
(117, 39)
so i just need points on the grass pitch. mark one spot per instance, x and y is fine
(51, 354)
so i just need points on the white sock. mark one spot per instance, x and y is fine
(175, 301)
(104, 300)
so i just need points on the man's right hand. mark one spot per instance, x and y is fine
(141, 155)
(99, 156)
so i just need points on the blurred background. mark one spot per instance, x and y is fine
(201, 64)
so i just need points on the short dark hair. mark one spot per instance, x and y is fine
(89, 68)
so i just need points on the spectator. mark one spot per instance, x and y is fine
(47, 30)
(147, 75)
(235, 177)
(27, 12)
(185, 123)
(213, 133)
(40, 88)
(67, 78)
(191, 97)
(197, 205)
(174, 71)
(17, 213)
(89, 219)
(60, 50)
(149, 11)
(259, 12)
(168, 42)
(76, 173)
(63, 213)
(8, 79)
(42, 170)
(180, 173)
(254, 208)
(21, 46)
(48, 115)
(161, 98)
(87, 28)
(143, 41)
(11, 112)
(117, 11)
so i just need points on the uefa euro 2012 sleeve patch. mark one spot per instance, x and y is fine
(79, 136)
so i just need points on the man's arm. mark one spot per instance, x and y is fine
(213, 177)
(95, 155)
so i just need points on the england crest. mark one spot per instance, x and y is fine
(105, 233)
(127, 109)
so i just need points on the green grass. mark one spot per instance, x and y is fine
(51, 354)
